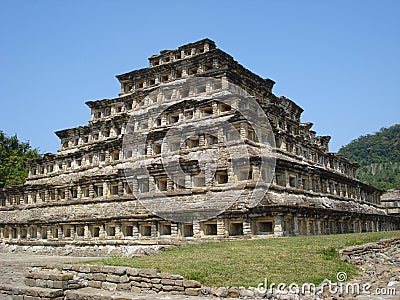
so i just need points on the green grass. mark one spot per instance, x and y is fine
(308, 259)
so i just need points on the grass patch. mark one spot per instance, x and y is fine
(247, 263)
(330, 253)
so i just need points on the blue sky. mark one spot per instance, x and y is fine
(339, 60)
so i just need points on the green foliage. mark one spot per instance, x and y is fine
(12, 155)
(379, 157)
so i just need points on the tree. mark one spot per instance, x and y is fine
(13, 170)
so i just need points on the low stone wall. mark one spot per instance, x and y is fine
(84, 249)
(67, 277)
(110, 278)
(353, 253)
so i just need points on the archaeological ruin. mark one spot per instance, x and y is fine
(85, 194)
(391, 200)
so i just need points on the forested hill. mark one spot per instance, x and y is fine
(379, 157)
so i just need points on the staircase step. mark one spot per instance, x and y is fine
(49, 275)
(38, 292)
(53, 279)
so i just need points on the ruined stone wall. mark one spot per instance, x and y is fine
(391, 200)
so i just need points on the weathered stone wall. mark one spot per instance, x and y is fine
(85, 250)
(391, 200)
(354, 253)
(83, 211)
(110, 278)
